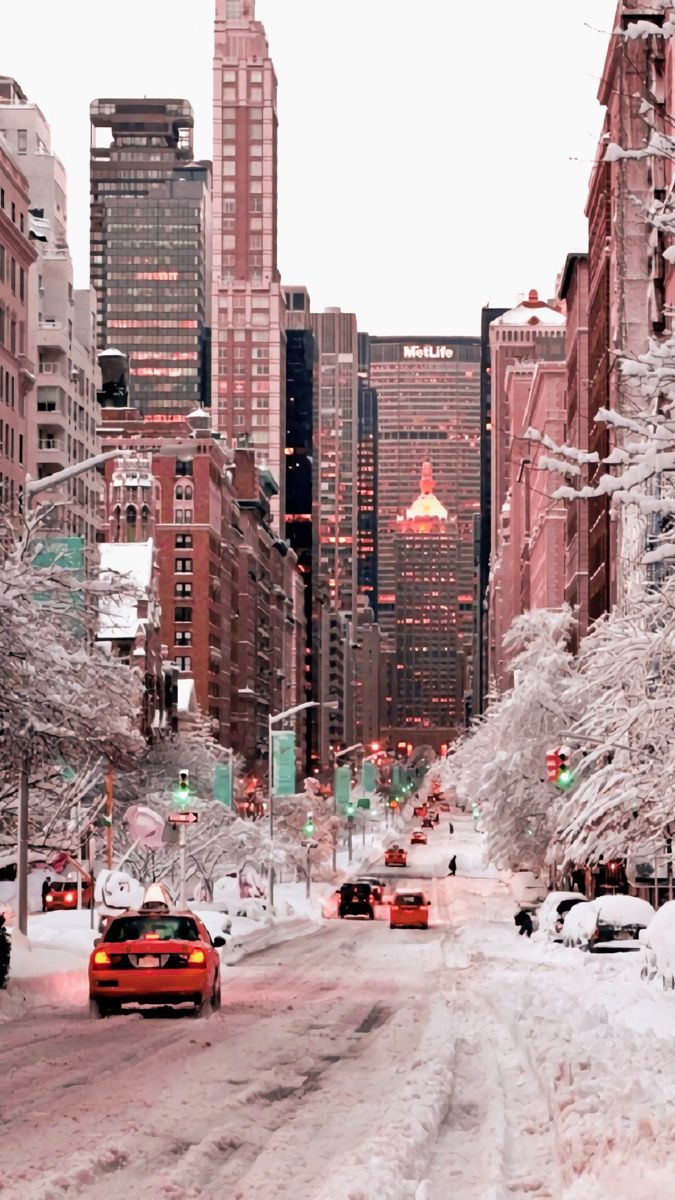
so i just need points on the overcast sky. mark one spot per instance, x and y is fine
(434, 155)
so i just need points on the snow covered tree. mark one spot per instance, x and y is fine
(500, 764)
(64, 701)
(625, 762)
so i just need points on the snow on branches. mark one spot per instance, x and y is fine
(501, 765)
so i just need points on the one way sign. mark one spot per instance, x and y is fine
(183, 818)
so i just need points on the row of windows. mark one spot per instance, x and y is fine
(9, 443)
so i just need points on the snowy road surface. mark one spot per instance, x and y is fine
(361, 1063)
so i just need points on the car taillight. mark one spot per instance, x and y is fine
(196, 958)
(101, 958)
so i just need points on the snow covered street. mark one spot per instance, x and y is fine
(358, 1063)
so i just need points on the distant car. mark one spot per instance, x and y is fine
(608, 924)
(62, 895)
(427, 822)
(551, 915)
(419, 810)
(376, 886)
(395, 856)
(155, 956)
(418, 838)
(408, 909)
(444, 806)
(356, 900)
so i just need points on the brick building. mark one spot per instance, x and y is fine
(17, 371)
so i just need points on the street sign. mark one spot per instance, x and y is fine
(183, 818)
(310, 845)
(364, 802)
(343, 784)
(283, 763)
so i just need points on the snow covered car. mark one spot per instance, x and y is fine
(376, 885)
(395, 856)
(551, 914)
(409, 909)
(154, 956)
(356, 900)
(528, 890)
(418, 837)
(657, 942)
(608, 924)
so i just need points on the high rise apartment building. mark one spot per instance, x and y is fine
(17, 370)
(336, 425)
(150, 249)
(367, 495)
(428, 402)
(248, 309)
(64, 417)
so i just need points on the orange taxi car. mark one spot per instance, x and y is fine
(395, 856)
(418, 837)
(154, 955)
(409, 909)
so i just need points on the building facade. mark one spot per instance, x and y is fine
(428, 402)
(17, 368)
(573, 292)
(367, 474)
(150, 248)
(248, 355)
(428, 687)
(64, 414)
(480, 673)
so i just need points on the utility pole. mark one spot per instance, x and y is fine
(22, 843)
(109, 814)
(182, 841)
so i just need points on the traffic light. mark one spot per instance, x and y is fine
(182, 792)
(309, 826)
(350, 808)
(565, 774)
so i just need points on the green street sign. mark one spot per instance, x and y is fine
(368, 777)
(283, 763)
(343, 784)
(222, 784)
(364, 802)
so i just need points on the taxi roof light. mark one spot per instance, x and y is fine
(156, 898)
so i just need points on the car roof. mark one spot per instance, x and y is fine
(156, 912)
(409, 891)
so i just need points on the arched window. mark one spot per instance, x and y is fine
(145, 521)
(131, 523)
(117, 518)
(188, 493)
(179, 492)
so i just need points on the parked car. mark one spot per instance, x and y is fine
(62, 894)
(154, 955)
(608, 924)
(395, 856)
(409, 909)
(376, 886)
(551, 914)
(356, 900)
(658, 946)
(528, 890)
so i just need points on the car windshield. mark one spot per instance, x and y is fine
(63, 887)
(410, 901)
(159, 928)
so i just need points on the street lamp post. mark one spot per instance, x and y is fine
(337, 754)
(272, 720)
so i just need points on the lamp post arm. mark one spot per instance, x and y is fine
(35, 486)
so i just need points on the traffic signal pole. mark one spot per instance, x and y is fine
(182, 864)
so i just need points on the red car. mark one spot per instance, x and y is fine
(395, 856)
(409, 909)
(154, 956)
(418, 838)
(62, 894)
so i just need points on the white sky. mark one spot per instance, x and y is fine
(434, 154)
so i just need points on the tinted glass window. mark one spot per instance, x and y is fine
(130, 929)
(411, 901)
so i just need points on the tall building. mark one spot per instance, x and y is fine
(428, 687)
(150, 249)
(531, 333)
(367, 495)
(336, 422)
(17, 370)
(480, 674)
(428, 402)
(248, 310)
(573, 291)
(65, 415)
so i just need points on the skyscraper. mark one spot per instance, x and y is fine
(428, 402)
(149, 250)
(248, 311)
(367, 480)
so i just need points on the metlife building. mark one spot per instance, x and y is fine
(428, 392)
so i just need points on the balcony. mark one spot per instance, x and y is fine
(26, 373)
(52, 452)
(52, 333)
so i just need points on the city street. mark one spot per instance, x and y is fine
(358, 1062)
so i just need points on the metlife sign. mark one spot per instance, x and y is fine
(428, 352)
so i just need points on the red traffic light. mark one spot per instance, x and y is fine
(553, 765)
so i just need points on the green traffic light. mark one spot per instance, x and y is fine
(565, 778)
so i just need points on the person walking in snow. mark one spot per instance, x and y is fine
(452, 828)
(452, 865)
(46, 886)
(524, 922)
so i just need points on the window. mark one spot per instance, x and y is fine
(182, 616)
(183, 591)
(179, 493)
(234, 10)
(183, 637)
(183, 663)
(22, 141)
(183, 541)
(184, 566)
